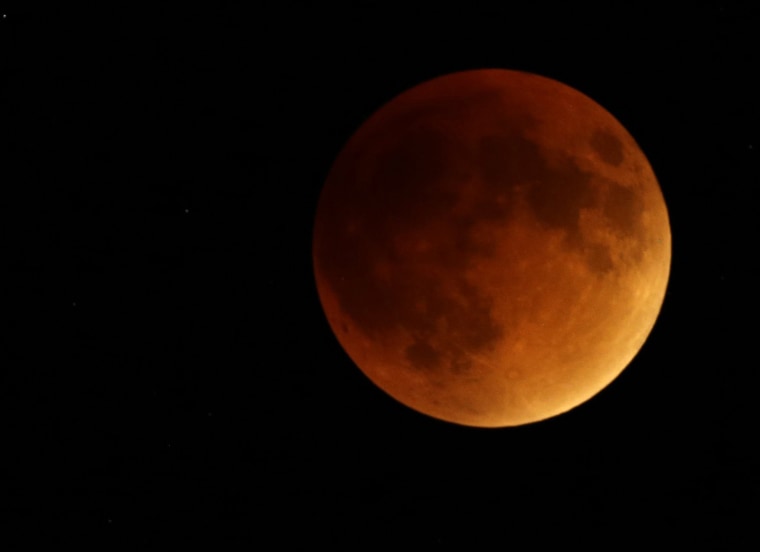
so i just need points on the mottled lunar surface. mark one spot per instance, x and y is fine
(491, 248)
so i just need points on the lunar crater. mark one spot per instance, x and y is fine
(608, 146)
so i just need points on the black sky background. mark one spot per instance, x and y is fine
(168, 374)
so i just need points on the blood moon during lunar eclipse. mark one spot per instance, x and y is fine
(491, 248)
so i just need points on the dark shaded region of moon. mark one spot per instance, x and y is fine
(443, 204)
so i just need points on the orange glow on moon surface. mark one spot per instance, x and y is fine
(491, 248)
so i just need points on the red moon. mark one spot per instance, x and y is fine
(491, 248)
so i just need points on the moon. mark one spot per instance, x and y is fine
(491, 248)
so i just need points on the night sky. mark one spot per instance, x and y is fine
(168, 375)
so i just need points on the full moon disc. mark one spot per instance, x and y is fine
(491, 248)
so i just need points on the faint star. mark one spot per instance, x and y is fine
(187, 211)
